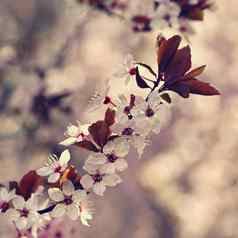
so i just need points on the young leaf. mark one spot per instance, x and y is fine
(196, 72)
(140, 81)
(202, 88)
(29, 184)
(100, 132)
(166, 51)
(180, 63)
(110, 117)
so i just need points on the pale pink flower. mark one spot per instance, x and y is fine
(55, 167)
(98, 178)
(68, 201)
(75, 134)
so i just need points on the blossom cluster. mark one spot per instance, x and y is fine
(57, 189)
(146, 16)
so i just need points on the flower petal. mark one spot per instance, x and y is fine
(85, 217)
(96, 159)
(87, 181)
(21, 223)
(73, 211)
(68, 188)
(111, 180)
(99, 188)
(54, 178)
(58, 211)
(18, 202)
(108, 168)
(69, 141)
(64, 158)
(12, 214)
(56, 194)
(44, 171)
(79, 196)
(121, 165)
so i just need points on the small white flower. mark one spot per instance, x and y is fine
(127, 70)
(98, 179)
(75, 134)
(69, 200)
(112, 157)
(55, 167)
(25, 213)
(5, 197)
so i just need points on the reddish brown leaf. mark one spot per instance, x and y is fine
(88, 145)
(100, 132)
(29, 184)
(202, 88)
(196, 72)
(110, 116)
(180, 63)
(166, 51)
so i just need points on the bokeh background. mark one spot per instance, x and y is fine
(186, 183)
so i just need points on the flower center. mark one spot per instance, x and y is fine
(132, 71)
(149, 112)
(127, 131)
(107, 100)
(24, 212)
(57, 169)
(97, 178)
(68, 200)
(112, 158)
(4, 206)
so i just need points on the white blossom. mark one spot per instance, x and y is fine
(5, 197)
(68, 201)
(25, 213)
(75, 134)
(55, 167)
(112, 156)
(98, 178)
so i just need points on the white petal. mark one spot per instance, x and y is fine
(3, 194)
(121, 165)
(12, 214)
(111, 180)
(85, 217)
(87, 181)
(109, 147)
(56, 194)
(73, 212)
(21, 223)
(121, 147)
(44, 171)
(99, 188)
(91, 168)
(64, 158)
(96, 159)
(79, 196)
(18, 202)
(69, 141)
(108, 168)
(68, 188)
(58, 211)
(54, 178)
(31, 203)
